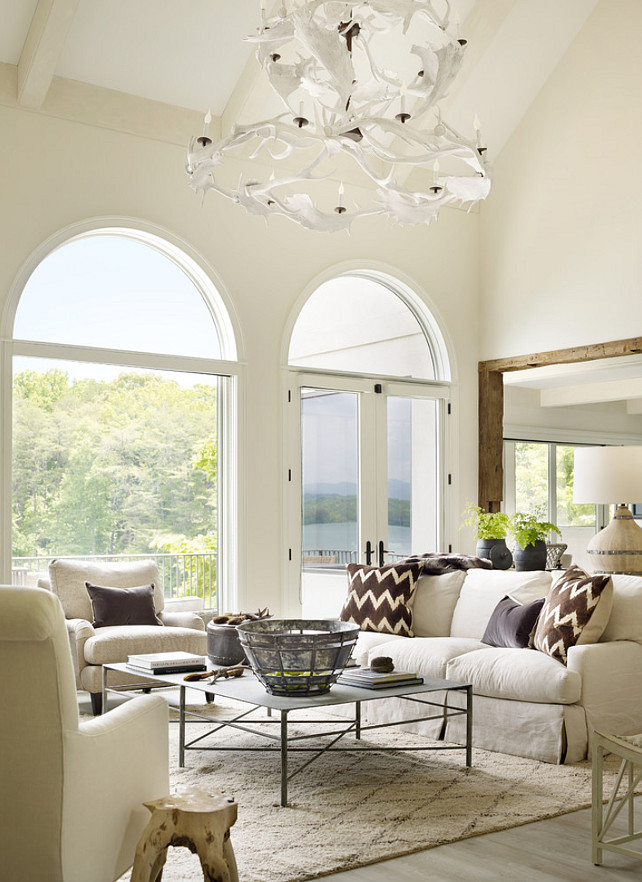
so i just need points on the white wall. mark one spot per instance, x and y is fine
(561, 230)
(55, 173)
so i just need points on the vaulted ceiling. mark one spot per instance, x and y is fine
(124, 63)
(191, 54)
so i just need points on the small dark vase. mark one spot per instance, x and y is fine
(533, 557)
(496, 551)
(223, 645)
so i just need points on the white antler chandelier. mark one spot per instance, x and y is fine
(360, 81)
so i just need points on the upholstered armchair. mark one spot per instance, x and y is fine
(91, 647)
(72, 792)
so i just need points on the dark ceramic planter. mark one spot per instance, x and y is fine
(533, 557)
(496, 551)
(223, 645)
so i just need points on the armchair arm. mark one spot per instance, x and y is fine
(125, 756)
(611, 685)
(79, 631)
(183, 619)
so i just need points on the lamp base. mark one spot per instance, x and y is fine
(618, 547)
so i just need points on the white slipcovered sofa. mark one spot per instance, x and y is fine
(525, 702)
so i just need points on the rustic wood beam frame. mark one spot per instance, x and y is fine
(491, 405)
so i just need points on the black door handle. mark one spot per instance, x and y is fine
(368, 553)
(382, 551)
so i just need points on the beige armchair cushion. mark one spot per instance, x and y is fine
(68, 579)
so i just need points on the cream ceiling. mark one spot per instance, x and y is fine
(156, 67)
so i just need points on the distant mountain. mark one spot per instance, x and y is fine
(396, 489)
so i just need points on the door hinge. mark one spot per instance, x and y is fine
(290, 397)
(450, 549)
(449, 409)
(289, 554)
(378, 388)
(450, 479)
(289, 474)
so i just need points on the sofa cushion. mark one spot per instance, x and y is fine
(368, 640)
(576, 611)
(380, 598)
(517, 674)
(122, 606)
(426, 656)
(116, 643)
(625, 621)
(434, 603)
(68, 579)
(511, 623)
(483, 589)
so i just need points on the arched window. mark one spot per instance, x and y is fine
(370, 373)
(122, 377)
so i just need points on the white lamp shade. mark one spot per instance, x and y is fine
(607, 475)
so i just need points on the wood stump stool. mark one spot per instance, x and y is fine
(196, 819)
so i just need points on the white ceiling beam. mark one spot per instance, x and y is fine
(592, 393)
(45, 41)
(634, 406)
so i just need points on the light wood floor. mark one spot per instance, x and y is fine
(555, 849)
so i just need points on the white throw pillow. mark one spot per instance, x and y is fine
(625, 621)
(434, 603)
(483, 589)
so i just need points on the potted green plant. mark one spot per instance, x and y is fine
(491, 529)
(530, 533)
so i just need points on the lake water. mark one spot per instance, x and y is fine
(343, 537)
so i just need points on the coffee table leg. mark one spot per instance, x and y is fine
(469, 726)
(357, 720)
(284, 758)
(181, 728)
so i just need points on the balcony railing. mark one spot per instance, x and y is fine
(182, 576)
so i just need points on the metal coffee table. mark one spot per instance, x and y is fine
(248, 690)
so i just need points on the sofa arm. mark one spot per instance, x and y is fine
(78, 631)
(124, 755)
(611, 685)
(182, 620)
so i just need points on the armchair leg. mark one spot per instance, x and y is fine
(96, 703)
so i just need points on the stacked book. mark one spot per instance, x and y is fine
(369, 679)
(166, 662)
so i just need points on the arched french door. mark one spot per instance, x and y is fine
(123, 378)
(369, 398)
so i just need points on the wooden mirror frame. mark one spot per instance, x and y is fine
(491, 405)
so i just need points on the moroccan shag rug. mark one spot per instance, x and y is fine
(351, 809)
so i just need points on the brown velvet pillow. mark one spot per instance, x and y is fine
(122, 606)
(511, 623)
(380, 598)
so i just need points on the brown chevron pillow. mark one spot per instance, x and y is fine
(380, 598)
(576, 611)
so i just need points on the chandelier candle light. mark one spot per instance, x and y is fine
(359, 81)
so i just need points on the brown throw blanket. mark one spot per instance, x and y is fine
(436, 564)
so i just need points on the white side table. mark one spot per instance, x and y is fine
(629, 748)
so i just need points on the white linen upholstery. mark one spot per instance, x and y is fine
(625, 621)
(92, 647)
(367, 640)
(72, 793)
(434, 603)
(550, 733)
(483, 589)
(428, 656)
(519, 674)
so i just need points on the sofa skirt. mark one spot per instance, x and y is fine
(551, 733)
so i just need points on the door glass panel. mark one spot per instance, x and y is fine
(531, 476)
(330, 477)
(412, 476)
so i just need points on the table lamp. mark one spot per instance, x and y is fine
(612, 476)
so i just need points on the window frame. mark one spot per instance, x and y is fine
(228, 411)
